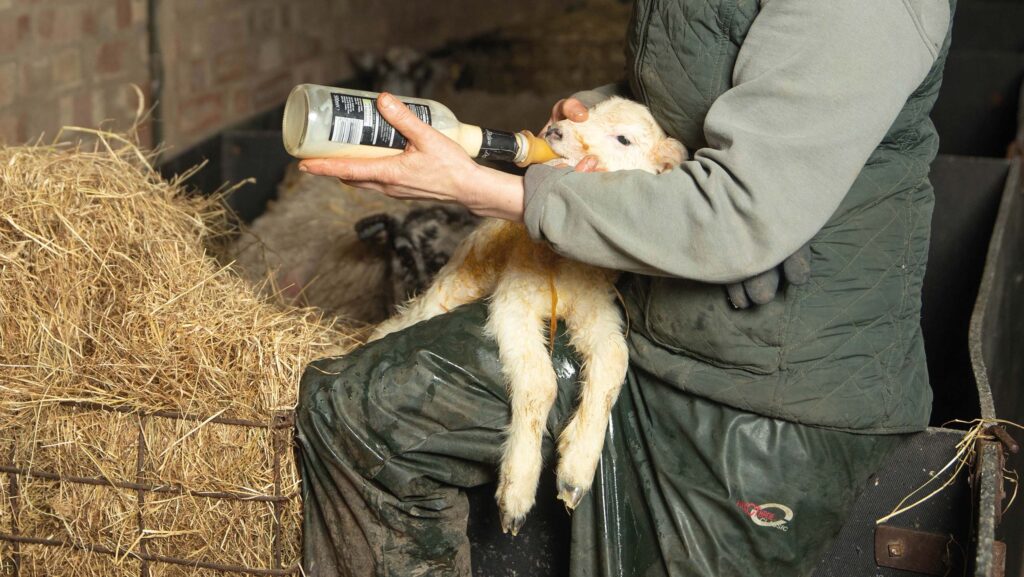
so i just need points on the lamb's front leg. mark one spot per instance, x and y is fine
(455, 285)
(596, 334)
(466, 277)
(518, 327)
(447, 292)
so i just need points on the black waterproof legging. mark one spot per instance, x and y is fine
(390, 435)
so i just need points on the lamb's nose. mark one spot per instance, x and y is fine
(554, 133)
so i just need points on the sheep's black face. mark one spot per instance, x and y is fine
(419, 245)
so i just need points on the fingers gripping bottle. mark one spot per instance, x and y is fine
(323, 122)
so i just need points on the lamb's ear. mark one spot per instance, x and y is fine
(377, 229)
(669, 154)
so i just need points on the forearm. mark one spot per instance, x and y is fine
(501, 195)
(432, 167)
(817, 85)
(495, 194)
(620, 220)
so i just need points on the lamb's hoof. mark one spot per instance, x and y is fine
(570, 494)
(514, 503)
(511, 524)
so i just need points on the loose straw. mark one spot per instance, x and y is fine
(965, 450)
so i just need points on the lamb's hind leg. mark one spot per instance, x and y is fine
(519, 329)
(596, 334)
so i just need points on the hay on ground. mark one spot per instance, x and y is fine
(113, 320)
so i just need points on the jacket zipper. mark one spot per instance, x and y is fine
(642, 48)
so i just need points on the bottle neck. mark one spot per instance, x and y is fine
(500, 145)
(521, 148)
(534, 150)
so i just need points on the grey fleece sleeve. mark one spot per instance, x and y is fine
(816, 85)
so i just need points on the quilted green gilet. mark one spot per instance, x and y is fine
(843, 351)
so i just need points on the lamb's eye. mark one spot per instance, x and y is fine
(624, 140)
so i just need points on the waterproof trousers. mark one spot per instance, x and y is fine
(390, 435)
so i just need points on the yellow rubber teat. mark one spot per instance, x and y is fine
(538, 150)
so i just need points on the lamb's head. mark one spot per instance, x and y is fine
(622, 134)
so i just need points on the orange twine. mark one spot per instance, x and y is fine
(553, 326)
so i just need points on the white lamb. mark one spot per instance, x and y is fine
(530, 286)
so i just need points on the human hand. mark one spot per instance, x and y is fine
(571, 108)
(761, 289)
(432, 167)
(574, 110)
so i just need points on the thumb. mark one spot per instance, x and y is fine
(589, 163)
(419, 133)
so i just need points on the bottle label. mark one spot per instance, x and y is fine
(498, 145)
(356, 121)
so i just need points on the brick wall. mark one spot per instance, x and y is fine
(66, 62)
(69, 63)
(229, 59)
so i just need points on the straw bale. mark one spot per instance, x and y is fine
(210, 530)
(108, 294)
(85, 514)
(6, 526)
(206, 457)
(41, 561)
(291, 532)
(6, 559)
(170, 570)
(109, 297)
(78, 442)
(6, 513)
